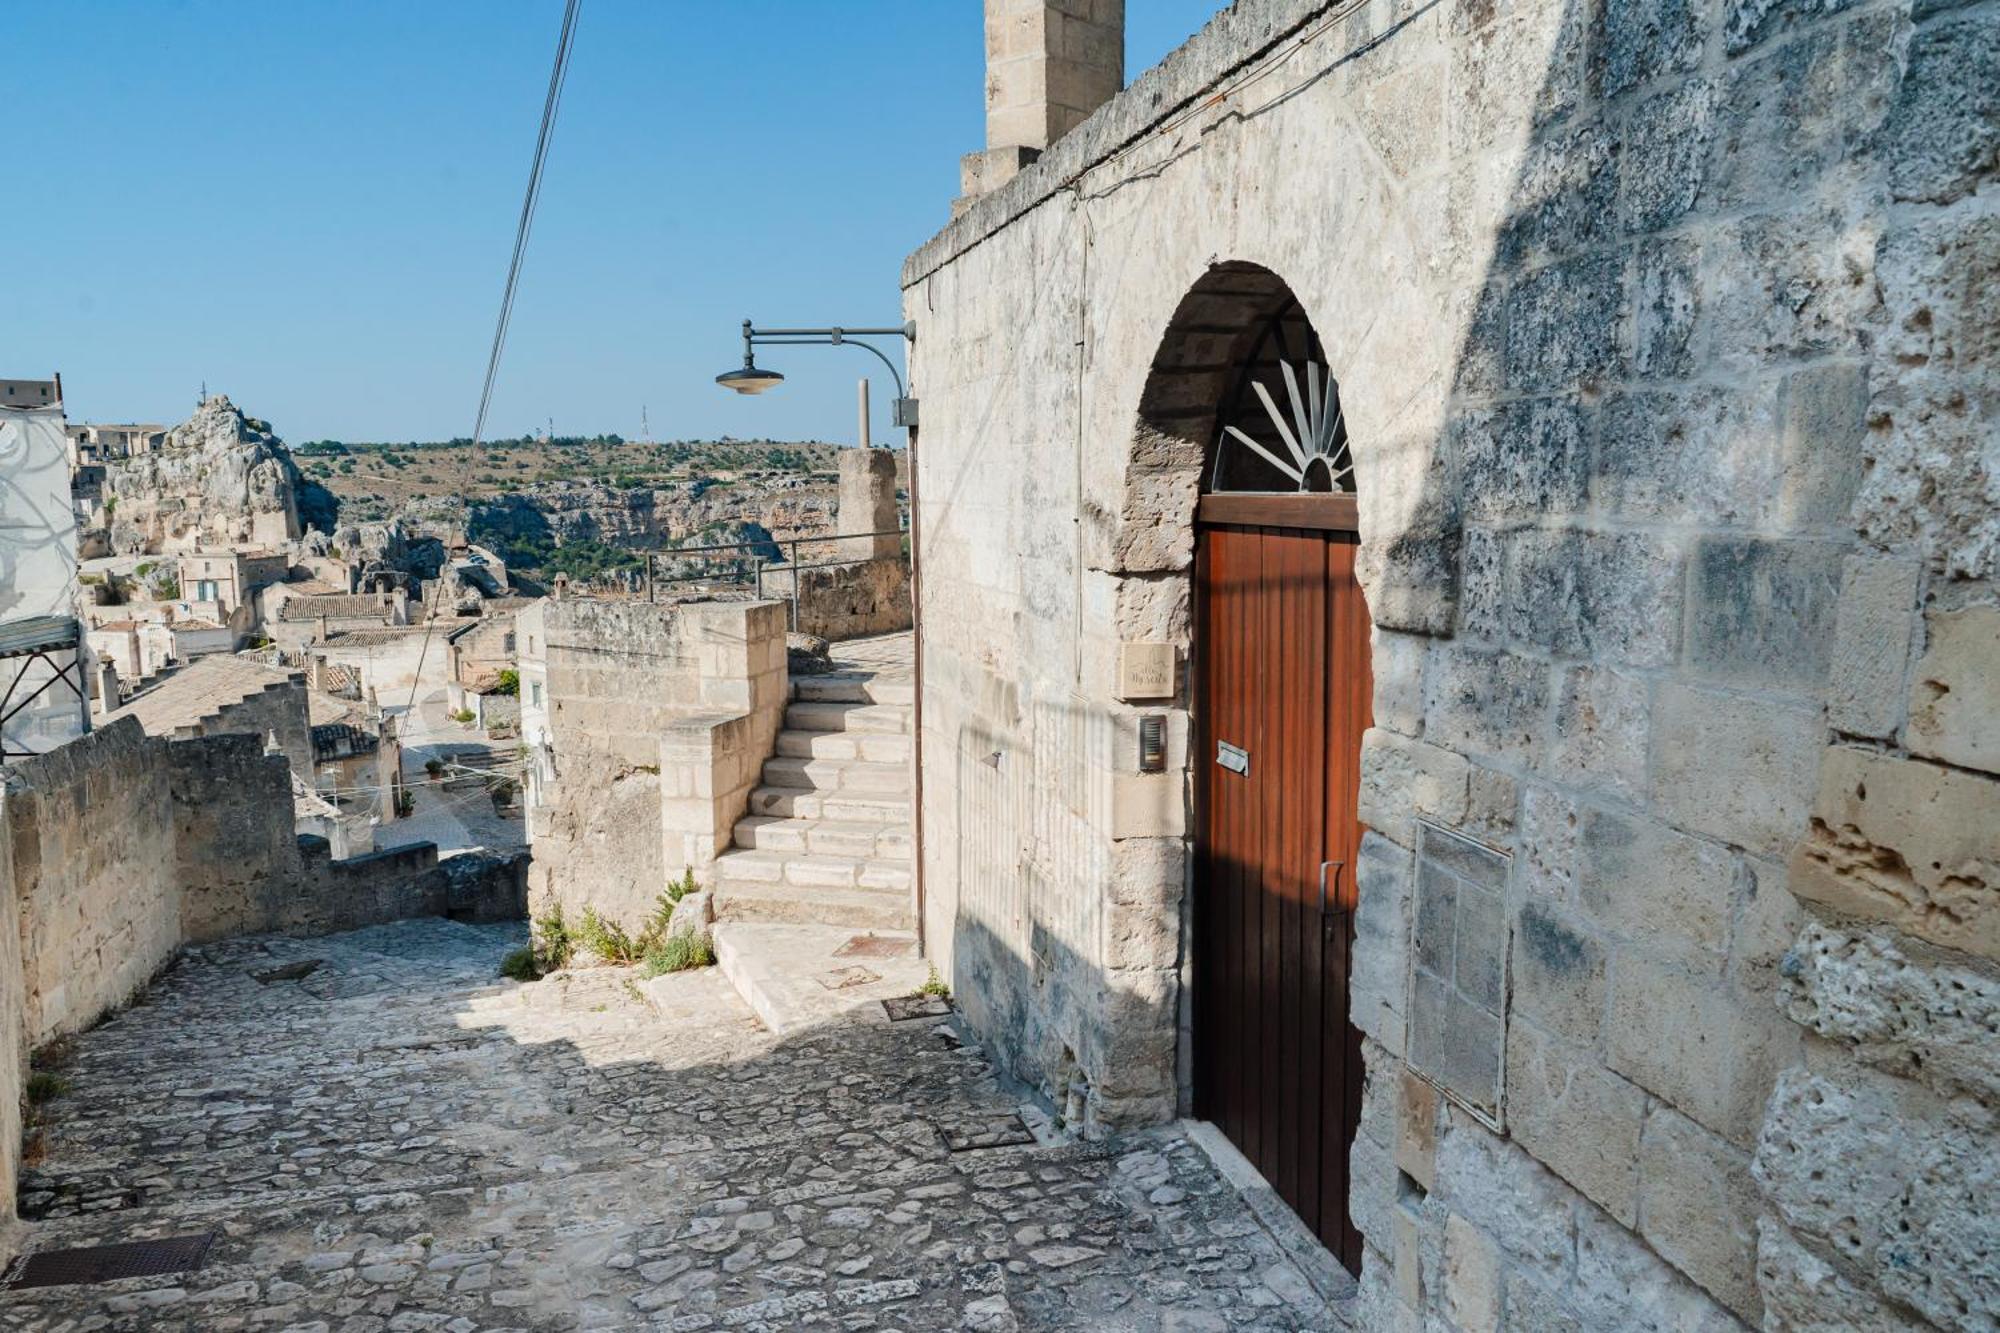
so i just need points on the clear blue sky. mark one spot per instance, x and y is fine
(309, 206)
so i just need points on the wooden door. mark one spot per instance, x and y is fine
(1283, 683)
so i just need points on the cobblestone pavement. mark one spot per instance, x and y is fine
(400, 1141)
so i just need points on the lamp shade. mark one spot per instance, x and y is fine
(749, 379)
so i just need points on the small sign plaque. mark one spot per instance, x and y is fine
(1145, 670)
(1233, 757)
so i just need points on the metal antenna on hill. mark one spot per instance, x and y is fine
(551, 101)
(645, 431)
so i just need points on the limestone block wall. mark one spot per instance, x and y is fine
(623, 683)
(98, 901)
(235, 848)
(1664, 335)
(850, 601)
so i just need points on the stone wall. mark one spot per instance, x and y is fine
(659, 717)
(1664, 337)
(850, 601)
(90, 837)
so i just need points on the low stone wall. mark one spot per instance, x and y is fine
(234, 848)
(98, 901)
(853, 601)
(633, 689)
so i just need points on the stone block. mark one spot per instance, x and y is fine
(1943, 130)
(1598, 735)
(1408, 1261)
(1691, 1040)
(1871, 643)
(1545, 868)
(1907, 843)
(1644, 39)
(1929, 482)
(1565, 324)
(1666, 303)
(1558, 974)
(1695, 455)
(1768, 919)
(1666, 145)
(1531, 1306)
(1379, 984)
(1416, 1129)
(1410, 564)
(1785, 116)
(1472, 1277)
(1575, 1116)
(1609, 597)
(1493, 801)
(1482, 599)
(1761, 613)
(1774, 295)
(1617, 1274)
(1645, 881)
(1396, 662)
(1955, 697)
(1487, 702)
(1698, 1208)
(1521, 461)
(1803, 1293)
(1920, 1018)
(1563, 195)
(1908, 1204)
(1402, 778)
(1823, 419)
(1737, 769)
(1493, 1183)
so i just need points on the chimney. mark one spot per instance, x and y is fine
(1049, 64)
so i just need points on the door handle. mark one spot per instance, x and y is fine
(1324, 866)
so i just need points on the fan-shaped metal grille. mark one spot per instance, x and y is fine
(1281, 429)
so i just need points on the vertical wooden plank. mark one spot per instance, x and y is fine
(1237, 693)
(1310, 701)
(1201, 946)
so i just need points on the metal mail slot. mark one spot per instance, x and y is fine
(1233, 757)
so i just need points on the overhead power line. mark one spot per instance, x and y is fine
(551, 102)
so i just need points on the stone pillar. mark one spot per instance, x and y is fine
(1049, 64)
(868, 504)
(107, 685)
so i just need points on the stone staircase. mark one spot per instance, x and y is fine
(826, 840)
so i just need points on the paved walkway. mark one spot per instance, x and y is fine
(400, 1141)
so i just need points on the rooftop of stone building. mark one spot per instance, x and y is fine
(198, 690)
(310, 606)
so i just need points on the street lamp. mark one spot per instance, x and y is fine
(750, 378)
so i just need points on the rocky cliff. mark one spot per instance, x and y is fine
(220, 479)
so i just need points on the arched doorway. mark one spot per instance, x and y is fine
(1281, 697)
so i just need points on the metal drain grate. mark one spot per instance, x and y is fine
(108, 1263)
(876, 946)
(902, 1008)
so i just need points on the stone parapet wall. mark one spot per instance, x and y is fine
(90, 837)
(659, 717)
(1664, 342)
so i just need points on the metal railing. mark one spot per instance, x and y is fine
(753, 575)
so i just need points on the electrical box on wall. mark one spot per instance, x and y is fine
(1146, 670)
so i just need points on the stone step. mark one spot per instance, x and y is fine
(829, 837)
(795, 977)
(841, 775)
(848, 807)
(844, 745)
(810, 870)
(879, 719)
(854, 687)
(856, 908)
